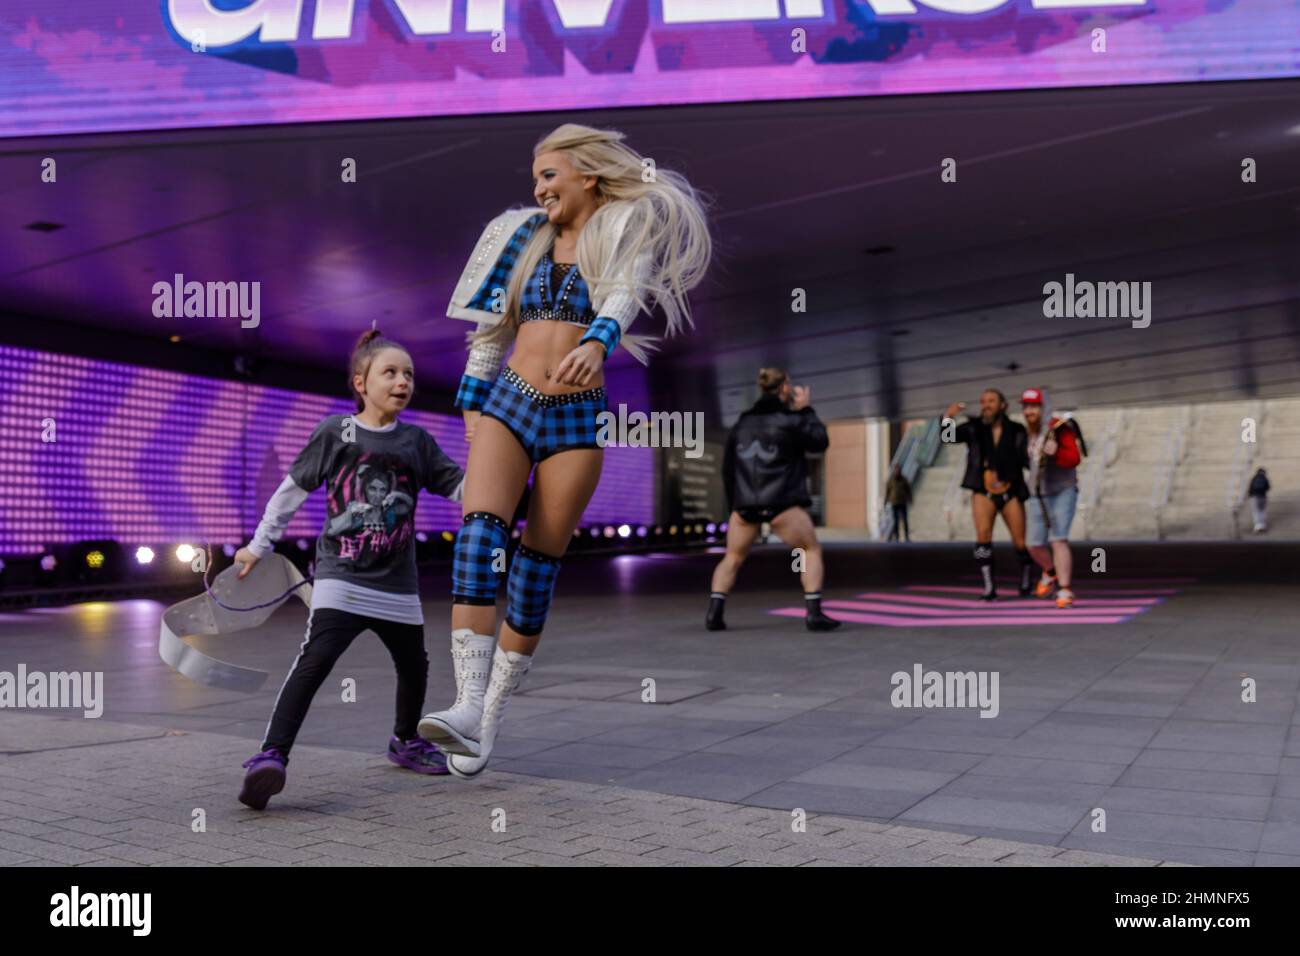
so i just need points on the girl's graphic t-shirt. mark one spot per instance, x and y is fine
(372, 481)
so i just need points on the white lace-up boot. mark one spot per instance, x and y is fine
(456, 731)
(508, 670)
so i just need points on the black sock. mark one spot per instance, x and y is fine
(984, 559)
(1051, 572)
(812, 602)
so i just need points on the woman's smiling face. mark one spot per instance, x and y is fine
(560, 189)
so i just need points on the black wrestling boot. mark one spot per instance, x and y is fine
(815, 619)
(713, 620)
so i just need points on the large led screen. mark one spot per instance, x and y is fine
(70, 66)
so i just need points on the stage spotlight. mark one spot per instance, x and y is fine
(609, 531)
(723, 527)
(711, 527)
(185, 553)
(659, 529)
(49, 562)
(699, 529)
(144, 555)
(624, 531)
(642, 531)
(448, 536)
(672, 529)
(95, 559)
(421, 537)
(595, 532)
(303, 544)
(229, 550)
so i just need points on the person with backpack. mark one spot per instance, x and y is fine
(1258, 493)
(1056, 447)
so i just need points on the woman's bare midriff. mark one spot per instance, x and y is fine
(541, 347)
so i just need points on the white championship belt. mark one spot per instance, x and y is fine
(271, 582)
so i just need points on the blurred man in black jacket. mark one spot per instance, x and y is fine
(1258, 494)
(766, 477)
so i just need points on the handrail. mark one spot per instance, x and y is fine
(1163, 484)
(1242, 460)
(1105, 454)
(951, 494)
(916, 450)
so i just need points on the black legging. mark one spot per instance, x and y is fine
(331, 633)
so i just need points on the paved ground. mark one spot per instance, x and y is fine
(1142, 719)
(101, 793)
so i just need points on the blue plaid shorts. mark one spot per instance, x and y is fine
(545, 424)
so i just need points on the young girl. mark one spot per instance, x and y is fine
(373, 467)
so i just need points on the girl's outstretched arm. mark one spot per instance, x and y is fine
(280, 509)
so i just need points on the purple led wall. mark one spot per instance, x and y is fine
(145, 456)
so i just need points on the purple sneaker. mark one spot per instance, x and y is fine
(265, 778)
(417, 754)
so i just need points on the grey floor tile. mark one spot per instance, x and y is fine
(1225, 805)
(1210, 760)
(673, 735)
(1198, 781)
(836, 774)
(1181, 830)
(822, 798)
(606, 755)
(1042, 768)
(1176, 852)
(961, 812)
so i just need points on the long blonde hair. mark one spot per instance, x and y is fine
(667, 218)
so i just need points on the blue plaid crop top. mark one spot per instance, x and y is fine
(552, 293)
(556, 292)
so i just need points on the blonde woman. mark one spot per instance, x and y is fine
(609, 238)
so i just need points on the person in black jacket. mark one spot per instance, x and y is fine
(1258, 494)
(766, 478)
(997, 454)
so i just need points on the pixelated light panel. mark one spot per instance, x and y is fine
(95, 450)
(71, 66)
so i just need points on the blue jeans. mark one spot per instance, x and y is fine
(1060, 511)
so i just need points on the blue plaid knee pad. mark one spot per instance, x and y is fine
(472, 579)
(528, 590)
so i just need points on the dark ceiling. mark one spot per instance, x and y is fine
(918, 290)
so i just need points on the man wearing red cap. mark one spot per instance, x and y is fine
(1054, 455)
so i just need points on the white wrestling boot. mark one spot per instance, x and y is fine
(456, 731)
(508, 670)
